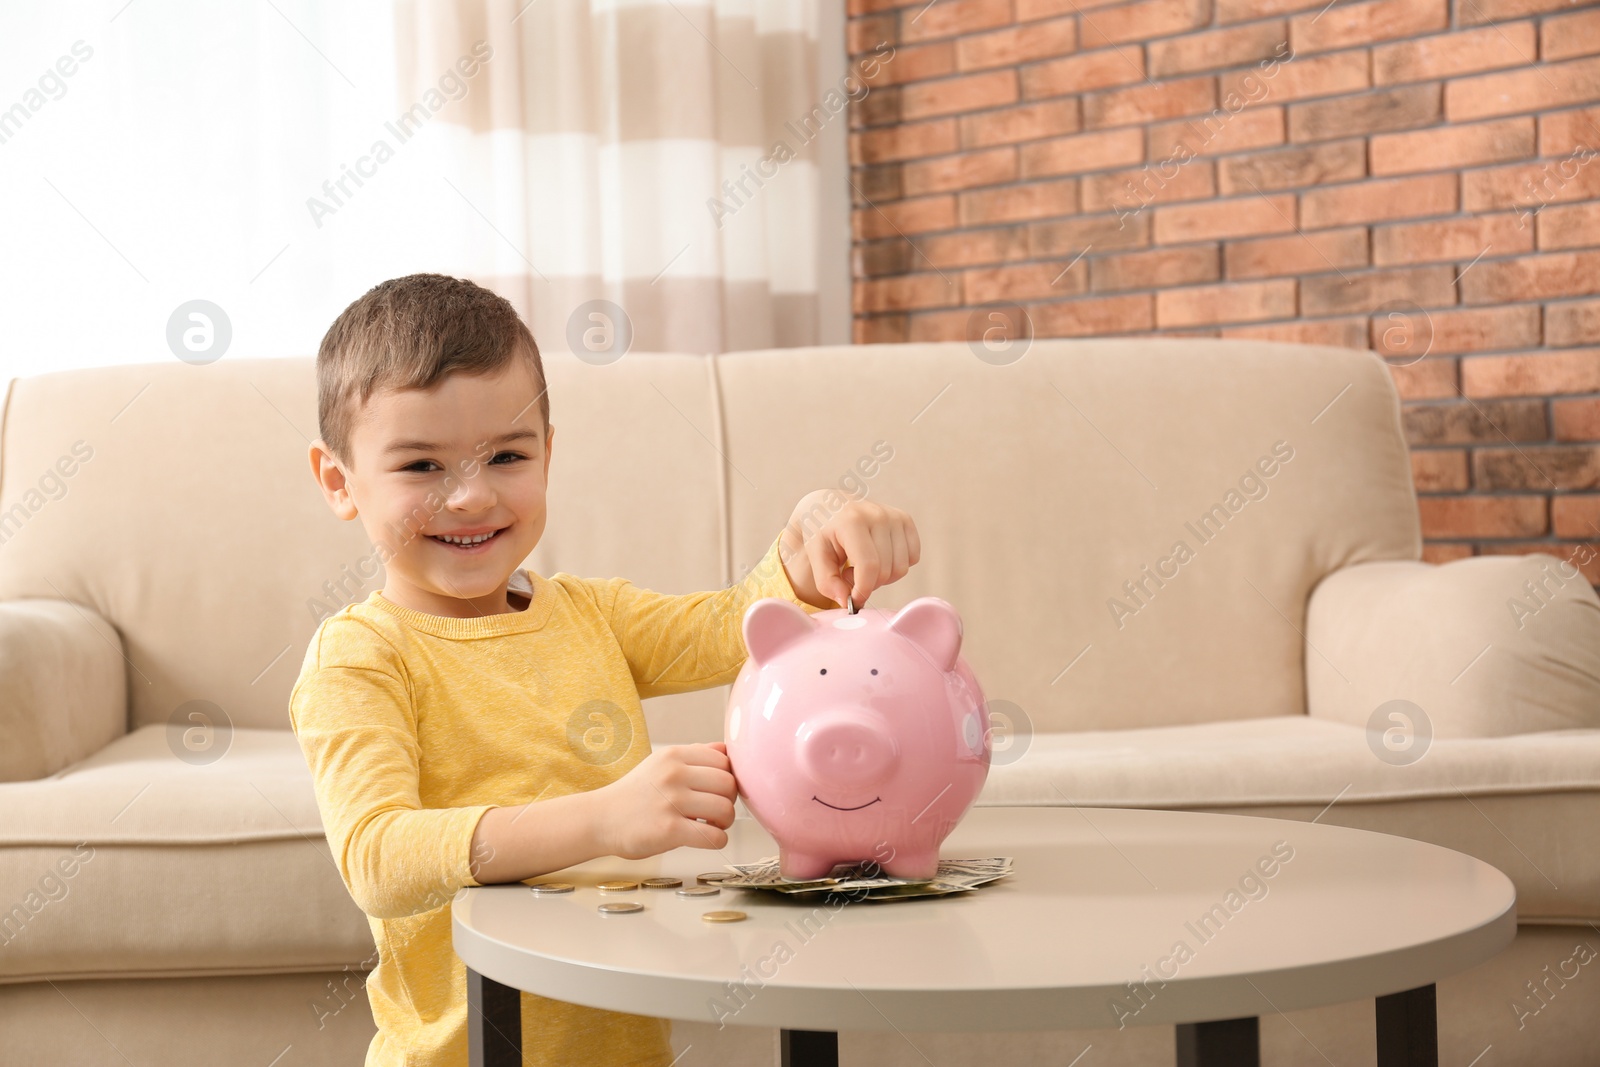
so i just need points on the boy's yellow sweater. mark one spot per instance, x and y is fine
(414, 725)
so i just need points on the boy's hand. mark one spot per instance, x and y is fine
(858, 548)
(654, 807)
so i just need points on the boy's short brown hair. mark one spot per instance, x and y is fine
(408, 333)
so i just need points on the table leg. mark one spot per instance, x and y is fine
(1224, 1043)
(1408, 1028)
(494, 1023)
(810, 1048)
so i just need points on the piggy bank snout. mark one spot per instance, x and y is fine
(848, 749)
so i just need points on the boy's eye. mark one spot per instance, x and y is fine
(419, 466)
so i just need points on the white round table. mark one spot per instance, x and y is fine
(1112, 917)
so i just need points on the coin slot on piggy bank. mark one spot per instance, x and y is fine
(857, 736)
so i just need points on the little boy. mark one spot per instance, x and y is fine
(476, 723)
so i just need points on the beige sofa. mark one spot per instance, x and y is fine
(166, 557)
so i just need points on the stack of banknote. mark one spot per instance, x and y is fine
(867, 881)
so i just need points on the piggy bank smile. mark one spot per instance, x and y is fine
(858, 807)
(873, 718)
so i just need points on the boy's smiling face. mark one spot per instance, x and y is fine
(468, 457)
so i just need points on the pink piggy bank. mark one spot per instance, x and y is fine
(857, 737)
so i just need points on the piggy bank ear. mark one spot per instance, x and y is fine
(771, 625)
(933, 626)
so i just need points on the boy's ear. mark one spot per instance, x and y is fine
(332, 481)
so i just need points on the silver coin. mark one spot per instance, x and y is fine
(617, 907)
(699, 891)
(552, 887)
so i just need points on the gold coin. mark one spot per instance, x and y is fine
(724, 916)
(662, 883)
(553, 887)
(699, 891)
(712, 876)
(618, 907)
(619, 886)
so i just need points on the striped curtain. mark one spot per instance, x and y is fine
(652, 156)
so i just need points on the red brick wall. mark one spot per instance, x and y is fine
(1414, 176)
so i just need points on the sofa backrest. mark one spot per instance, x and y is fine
(1046, 492)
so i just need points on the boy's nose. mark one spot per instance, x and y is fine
(472, 493)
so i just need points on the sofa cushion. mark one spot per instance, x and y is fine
(1130, 527)
(1478, 647)
(136, 862)
(1517, 802)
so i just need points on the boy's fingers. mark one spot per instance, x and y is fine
(826, 565)
(865, 551)
(712, 807)
(709, 754)
(713, 780)
(883, 538)
(709, 837)
(902, 554)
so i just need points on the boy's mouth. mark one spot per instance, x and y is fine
(468, 544)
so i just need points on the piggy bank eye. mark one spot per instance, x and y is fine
(874, 670)
(824, 670)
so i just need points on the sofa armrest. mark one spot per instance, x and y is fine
(63, 686)
(1485, 646)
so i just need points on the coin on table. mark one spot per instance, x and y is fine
(712, 876)
(699, 891)
(553, 887)
(662, 883)
(619, 907)
(724, 916)
(619, 886)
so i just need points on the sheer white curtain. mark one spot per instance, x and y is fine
(653, 156)
(248, 155)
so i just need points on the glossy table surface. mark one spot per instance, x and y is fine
(1112, 917)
